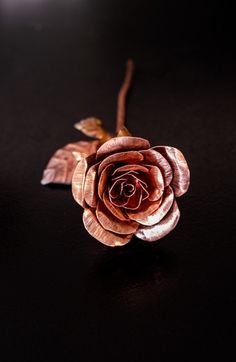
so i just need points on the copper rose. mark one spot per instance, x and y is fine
(125, 187)
(128, 188)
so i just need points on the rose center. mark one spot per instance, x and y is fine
(128, 190)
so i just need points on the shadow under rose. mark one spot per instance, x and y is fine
(137, 273)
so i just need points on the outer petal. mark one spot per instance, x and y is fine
(181, 173)
(155, 158)
(79, 178)
(90, 186)
(157, 181)
(158, 214)
(111, 223)
(102, 182)
(158, 231)
(119, 144)
(98, 232)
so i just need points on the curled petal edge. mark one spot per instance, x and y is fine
(78, 179)
(119, 144)
(106, 237)
(159, 214)
(90, 186)
(161, 229)
(181, 173)
(153, 157)
(111, 223)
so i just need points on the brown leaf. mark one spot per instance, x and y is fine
(61, 166)
(92, 127)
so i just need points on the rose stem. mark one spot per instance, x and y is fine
(120, 120)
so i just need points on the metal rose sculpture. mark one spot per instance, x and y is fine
(125, 187)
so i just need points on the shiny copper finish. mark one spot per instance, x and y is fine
(161, 229)
(60, 167)
(119, 144)
(98, 232)
(125, 187)
(131, 192)
(92, 127)
(181, 173)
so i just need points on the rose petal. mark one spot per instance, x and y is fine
(129, 190)
(118, 212)
(111, 223)
(159, 230)
(161, 211)
(157, 181)
(135, 179)
(90, 186)
(145, 193)
(181, 173)
(146, 208)
(103, 180)
(98, 232)
(130, 168)
(119, 144)
(116, 189)
(135, 200)
(132, 173)
(120, 201)
(79, 178)
(155, 158)
(124, 157)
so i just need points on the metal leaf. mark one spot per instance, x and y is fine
(92, 127)
(61, 165)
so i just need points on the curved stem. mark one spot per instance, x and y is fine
(120, 120)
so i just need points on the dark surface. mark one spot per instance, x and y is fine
(65, 296)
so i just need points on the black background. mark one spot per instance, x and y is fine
(64, 296)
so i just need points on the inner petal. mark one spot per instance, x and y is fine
(130, 168)
(145, 193)
(119, 201)
(124, 174)
(117, 188)
(135, 200)
(133, 179)
(129, 190)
